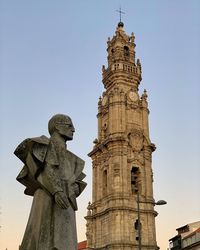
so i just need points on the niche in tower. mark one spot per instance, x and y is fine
(105, 182)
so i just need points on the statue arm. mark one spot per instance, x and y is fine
(79, 187)
(76, 186)
(80, 183)
(50, 180)
(61, 200)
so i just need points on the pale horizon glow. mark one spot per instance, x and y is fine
(52, 53)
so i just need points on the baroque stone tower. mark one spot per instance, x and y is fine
(121, 157)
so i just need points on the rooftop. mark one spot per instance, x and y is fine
(82, 245)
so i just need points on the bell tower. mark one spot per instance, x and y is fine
(121, 156)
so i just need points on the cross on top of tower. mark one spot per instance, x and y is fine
(120, 14)
(120, 24)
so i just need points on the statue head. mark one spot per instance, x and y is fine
(61, 124)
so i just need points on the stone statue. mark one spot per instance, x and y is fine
(53, 176)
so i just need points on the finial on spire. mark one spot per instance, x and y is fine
(144, 95)
(120, 24)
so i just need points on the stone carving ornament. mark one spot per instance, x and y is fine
(136, 140)
(53, 176)
(104, 100)
(133, 96)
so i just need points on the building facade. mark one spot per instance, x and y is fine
(122, 156)
(192, 241)
(188, 237)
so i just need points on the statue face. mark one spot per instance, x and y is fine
(66, 129)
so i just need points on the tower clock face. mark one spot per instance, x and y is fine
(104, 100)
(133, 96)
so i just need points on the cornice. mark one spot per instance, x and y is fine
(99, 147)
(120, 208)
(122, 244)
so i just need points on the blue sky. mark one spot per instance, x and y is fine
(51, 58)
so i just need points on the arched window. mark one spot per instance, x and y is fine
(126, 51)
(134, 179)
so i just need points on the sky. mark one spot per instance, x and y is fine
(52, 53)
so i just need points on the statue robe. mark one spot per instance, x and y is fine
(49, 169)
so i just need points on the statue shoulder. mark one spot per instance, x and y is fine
(37, 145)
